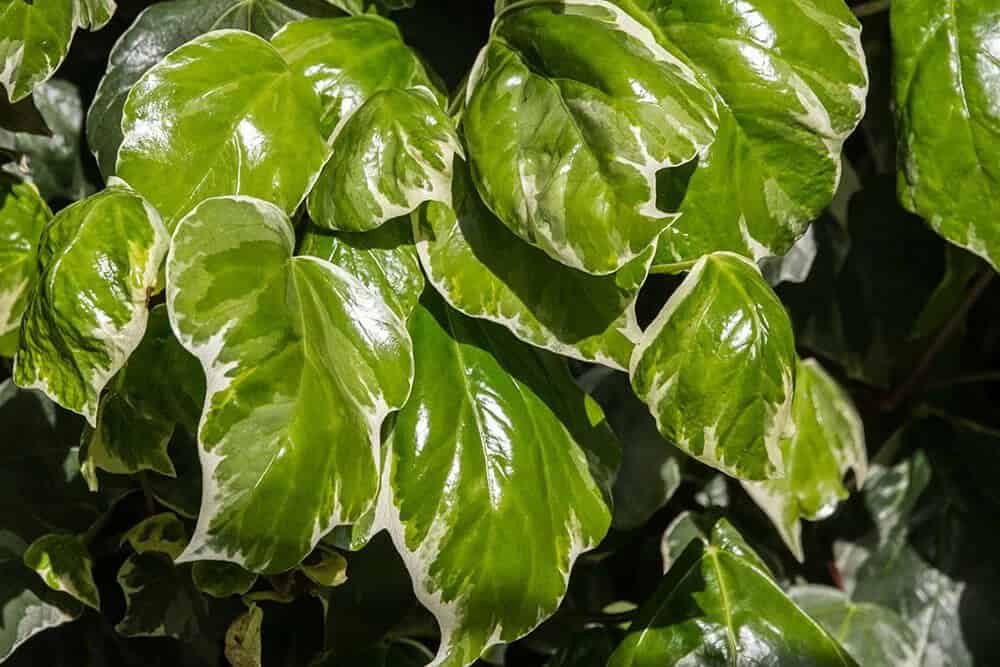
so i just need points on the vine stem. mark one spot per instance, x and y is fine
(926, 360)
(870, 8)
(147, 494)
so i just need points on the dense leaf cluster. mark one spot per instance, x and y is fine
(563, 332)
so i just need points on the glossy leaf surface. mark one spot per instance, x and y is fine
(348, 60)
(790, 79)
(493, 430)
(221, 115)
(948, 118)
(384, 260)
(302, 361)
(35, 37)
(160, 29)
(572, 111)
(717, 368)
(485, 271)
(717, 606)
(395, 153)
(23, 216)
(98, 261)
(829, 441)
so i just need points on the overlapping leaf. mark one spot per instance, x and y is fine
(717, 368)
(35, 37)
(829, 441)
(790, 79)
(392, 144)
(572, 111)
(98, 261)
(948, 117)
(160, 29)
(384, 260)
(874, 635)
(485, 271)
(709, 610)
(223, 114)
(159, 388)
(494, 431)
(23, 216)
(303, 362)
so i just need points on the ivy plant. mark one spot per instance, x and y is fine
(533, 332)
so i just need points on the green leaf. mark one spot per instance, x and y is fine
(28, 607)
(35, 37)
(181, 494)
(223, 114)
(686, 528)
(829, 441)
(947, 116)
(23, 216)
(483, 270)
(493, 431)
(572, 111)
(709, 611)
(64, 564)
(394, 653)
(160, 387)
(329, 570)
(160, 599)
(392, 144)
(161, 533)
(886, 569)
(348, 60)
(53, 162)
(98, 260)
(220, 579)
(394, 153)
(717, 368)
(874, 635)
(243, 646)
(160, 29)
(384, 260)
(303, 363)
(790, 81)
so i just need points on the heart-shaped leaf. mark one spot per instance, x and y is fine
(573, 110)
(493, 431)
(221, 115)
(717, 368)
(302, 361)
(98, 261)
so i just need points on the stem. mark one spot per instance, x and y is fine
(870, 8)
(147, 494)
(926, 361)
(961, 422)
(672, 269)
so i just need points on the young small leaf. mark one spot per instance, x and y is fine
(717, 368)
